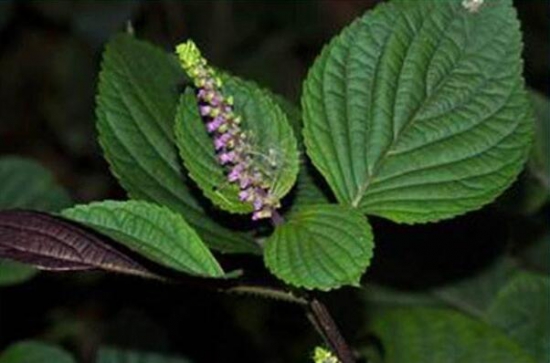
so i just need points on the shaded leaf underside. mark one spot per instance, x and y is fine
(51, 243)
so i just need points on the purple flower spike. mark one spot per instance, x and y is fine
(202, 94)
(244, 195)
(261, 214)
(233, 148)
(258, 203)
(215, 124)
(205, 110)
(236, 173)
(227, 157)
(245, 181)
(221, 141)
(216, 100)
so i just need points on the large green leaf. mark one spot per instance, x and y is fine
(476, 293)
(34, 352)
(110, 355)
(320, 247)
(522, 310)
(423, 335)
(417, 111)
(151, 230)
(137, 101)
(471, 295)
(268, 129)
(26, 184)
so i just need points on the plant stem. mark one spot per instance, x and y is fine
(316, 312)
(323, 322)
(268, 292)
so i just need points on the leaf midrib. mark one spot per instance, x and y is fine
(387, 152)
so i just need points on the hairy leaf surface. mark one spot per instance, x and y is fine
(138, 95)
(267, 128)
(151, 230)
(320, 247)
(417, 111)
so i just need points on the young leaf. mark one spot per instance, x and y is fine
(111, 355)
(151, 230)
(27, 184)
(51, 243)
(34, 352)
(320, 247)
(267, 129)
(522, 311)
(138, 94)
(417, 111)
(423, 335)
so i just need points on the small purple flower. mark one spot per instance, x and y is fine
(258, 203)
(215, 124)
(227, 157)
(245, 195)
(202, 94)
(221, 141)
(205, 110)
(216, 100)
(245, 181)
(236, 173)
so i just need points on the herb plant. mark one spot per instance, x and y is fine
(416, 112)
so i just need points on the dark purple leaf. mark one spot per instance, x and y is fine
(52, 243)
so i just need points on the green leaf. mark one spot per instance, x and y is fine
(522, 311)
(320, 247)
(423, 335)
(380, 296)
(537, 255)
(34, 352)
(417, 111)
(475, 294)
(136, 106)
(110, 355)
(532, 190)
(151, 230)
(12, 272)
(309, 189)
(28, 185)
(268, 130)
(539, 164)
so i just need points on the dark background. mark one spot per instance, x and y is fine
(50, 54)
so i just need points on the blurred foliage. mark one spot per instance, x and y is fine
(49, 54)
